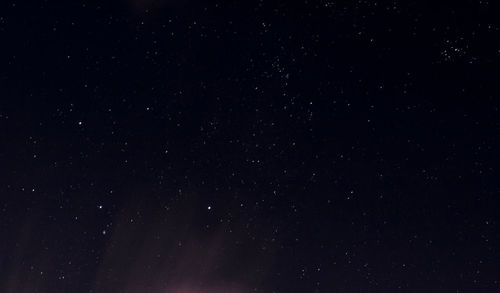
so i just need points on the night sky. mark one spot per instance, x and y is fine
(183, 146)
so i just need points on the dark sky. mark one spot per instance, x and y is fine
(273, 146)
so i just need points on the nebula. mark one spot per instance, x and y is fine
(176, 254)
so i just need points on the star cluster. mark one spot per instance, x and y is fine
(269, 146)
